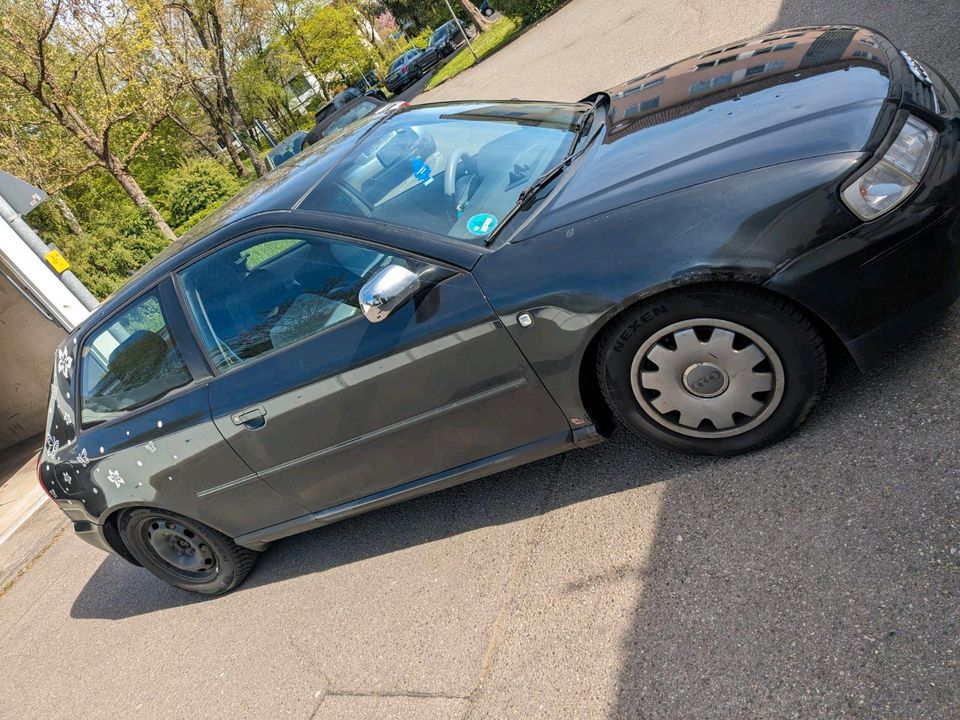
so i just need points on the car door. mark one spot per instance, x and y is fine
(328, 407)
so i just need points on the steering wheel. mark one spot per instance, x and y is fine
(460, 192)
(450, 174)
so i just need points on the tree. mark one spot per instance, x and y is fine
(204, 40)
(331, 38)
(89, 69)
(366, 15)
(422, 13)
(259, 82)
(475, 15)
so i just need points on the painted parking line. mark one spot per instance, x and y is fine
(35, 503)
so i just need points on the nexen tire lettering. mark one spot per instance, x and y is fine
(637, 324)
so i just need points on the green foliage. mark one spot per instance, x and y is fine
(259, 254)
(104, 261)
(498, 34)
(419, 12)
(194, 190)
(527, 10)
(422, 38)
(331, 37)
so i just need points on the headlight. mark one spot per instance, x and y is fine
(896, 175)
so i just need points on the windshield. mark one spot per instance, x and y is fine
(438, 34)
(286, 149)
(360, 110)
(453, 170)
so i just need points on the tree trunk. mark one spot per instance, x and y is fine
(133, 190)
(67, 214)
(215, 43)
(243, 134)
(478, 19)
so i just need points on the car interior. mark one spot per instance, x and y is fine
(437, 176)
(130, 363)
(250, 299)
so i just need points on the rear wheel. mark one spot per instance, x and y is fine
(183, 552)
(712, 370)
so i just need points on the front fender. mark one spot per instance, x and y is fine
(575, 278)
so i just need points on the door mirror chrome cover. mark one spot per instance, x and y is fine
(386, 291)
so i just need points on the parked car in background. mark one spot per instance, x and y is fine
(447, 291)
(332, 122)
(444, 41)
(369, 85)
(285, 149)
(485, 9)
(404, 71)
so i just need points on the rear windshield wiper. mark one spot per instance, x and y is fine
(529, 194)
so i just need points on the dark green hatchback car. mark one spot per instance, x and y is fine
(440, 292)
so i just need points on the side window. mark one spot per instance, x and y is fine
(258, 295)
(128, 363)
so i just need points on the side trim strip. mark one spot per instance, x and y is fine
(550, 445)
(226, 486)
(399, 425)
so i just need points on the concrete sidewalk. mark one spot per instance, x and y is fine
(21, 497)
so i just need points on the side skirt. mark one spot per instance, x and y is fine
(550, 445)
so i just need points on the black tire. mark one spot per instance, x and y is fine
(230, 563)
(798, 350)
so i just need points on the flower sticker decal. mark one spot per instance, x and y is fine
(64, 362)
(114, 477)
(66, 479)
(151, 447)
(82, 457)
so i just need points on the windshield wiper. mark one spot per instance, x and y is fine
(530, 193)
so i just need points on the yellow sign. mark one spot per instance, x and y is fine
(57, 261)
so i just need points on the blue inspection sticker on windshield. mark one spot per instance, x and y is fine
(481, 224)
(421, 171)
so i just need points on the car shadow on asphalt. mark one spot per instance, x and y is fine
(503, 498)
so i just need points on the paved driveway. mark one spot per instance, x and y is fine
(816, 579)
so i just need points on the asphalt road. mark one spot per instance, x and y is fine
(819, 578)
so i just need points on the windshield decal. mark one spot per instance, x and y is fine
(481, 224)
(421, 171)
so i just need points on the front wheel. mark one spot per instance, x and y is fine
(715, 370)
(184, 553)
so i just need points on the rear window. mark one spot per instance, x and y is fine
(450, 170)
(129, 363)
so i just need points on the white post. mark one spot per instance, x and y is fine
(462, 31)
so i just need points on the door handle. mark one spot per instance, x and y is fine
(253, 418)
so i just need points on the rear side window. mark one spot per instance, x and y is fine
(129, 363)
(259, 295)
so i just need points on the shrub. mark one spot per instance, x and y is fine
(422, 39)
(527, 10)
(200, 185)
(105, 258)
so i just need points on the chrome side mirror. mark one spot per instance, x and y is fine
(386, 291)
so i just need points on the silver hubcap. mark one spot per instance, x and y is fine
(707, 378)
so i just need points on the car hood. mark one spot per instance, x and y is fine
(766, 100)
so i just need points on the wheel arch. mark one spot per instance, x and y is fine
(111, 529)
(589, 381)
